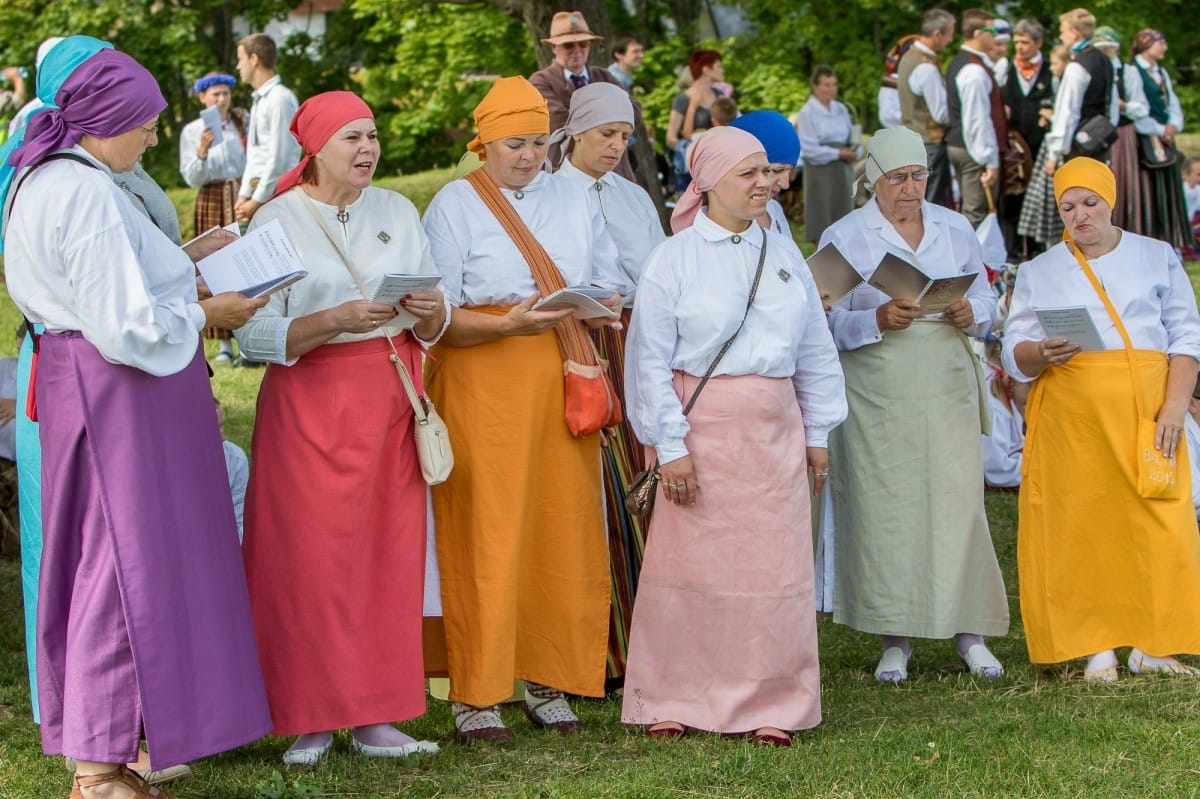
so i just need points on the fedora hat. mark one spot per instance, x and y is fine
(569, 26)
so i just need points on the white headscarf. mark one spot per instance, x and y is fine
(891, 149)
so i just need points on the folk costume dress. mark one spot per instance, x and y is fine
(336, 507)
(914, 556)
(1101, 567)
(1163, 210)
(724, 630)
(632, 221)
(828, 195)
(520, 533)
(219, 174)
(142, 594)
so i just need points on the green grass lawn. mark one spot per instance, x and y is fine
(1034, 733)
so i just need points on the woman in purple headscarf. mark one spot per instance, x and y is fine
(143, 625)
(724, 631)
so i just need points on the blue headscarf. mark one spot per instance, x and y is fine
(776, 134)
(62, 60)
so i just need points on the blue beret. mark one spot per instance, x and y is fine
(777, 135)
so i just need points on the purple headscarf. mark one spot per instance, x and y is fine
(107, 95)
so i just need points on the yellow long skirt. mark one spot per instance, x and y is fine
(520, 530)
(1099, 566)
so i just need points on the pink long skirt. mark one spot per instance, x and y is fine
(724, 628)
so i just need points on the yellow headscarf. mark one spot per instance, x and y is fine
(512, 107)
(1086, 173)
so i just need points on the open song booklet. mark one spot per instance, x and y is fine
(833, 274)
(900, 280)
(392, 288)
(1075, 324)
(261, 262)
(581, 299)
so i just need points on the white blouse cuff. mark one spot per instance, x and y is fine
(670, 451)
(445, 325)
(197, 315)
(817, 436)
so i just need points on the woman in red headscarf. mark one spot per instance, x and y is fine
(335, 509)
(724, 633)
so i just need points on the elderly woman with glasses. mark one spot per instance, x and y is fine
(914, 556)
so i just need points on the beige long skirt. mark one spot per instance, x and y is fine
(914, 555)
(724, 631)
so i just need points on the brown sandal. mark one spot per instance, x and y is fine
(122, 774)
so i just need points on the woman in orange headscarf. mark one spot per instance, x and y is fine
(1101, 564)
(335, 509)
(520, 523)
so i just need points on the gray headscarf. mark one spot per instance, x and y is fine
(592, 106)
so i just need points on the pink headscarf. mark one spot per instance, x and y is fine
(315, 122)
(709, 159)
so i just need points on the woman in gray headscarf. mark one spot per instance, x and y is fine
(593, 139)
(914, 556)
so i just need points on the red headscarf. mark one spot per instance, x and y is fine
(315, 122)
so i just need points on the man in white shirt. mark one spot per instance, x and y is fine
(1086, 90)
(270, 148)
(627, 58)
(977, 132)
(923, 107)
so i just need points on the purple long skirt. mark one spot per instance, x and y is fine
(143, 625)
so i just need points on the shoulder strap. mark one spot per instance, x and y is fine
(573, 340)
(59, 156)
(762, 257)
(409, 388)
(1116, 320)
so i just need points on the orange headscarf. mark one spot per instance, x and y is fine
(512, 107)
(1086, 173)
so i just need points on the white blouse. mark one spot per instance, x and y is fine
(482, 265)
(79, 256)
(1144, 280)
(948, 248)
(691, 299)
(224, 161)
(629, 216)
(823, 131)
(779, 220)
(382, 235)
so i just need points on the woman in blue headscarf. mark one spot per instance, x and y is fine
(779, 139)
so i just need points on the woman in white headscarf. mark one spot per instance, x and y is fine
(914, 556)
(724, 631)
(593, 140)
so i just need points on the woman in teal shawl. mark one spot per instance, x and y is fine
(63, 59)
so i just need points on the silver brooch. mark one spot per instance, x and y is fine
(520, 195)
(785, 275)
(736, 239)
(384, 237)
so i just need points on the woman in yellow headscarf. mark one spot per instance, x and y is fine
(520, 523)
(1102, 566)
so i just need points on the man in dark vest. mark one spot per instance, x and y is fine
(1028, 89)
(977, 133)
(923, 98)
(1085, 89)
(571, 39)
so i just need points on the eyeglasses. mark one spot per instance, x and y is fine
(918, 175)
(150, 131)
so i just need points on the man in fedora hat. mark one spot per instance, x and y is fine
(570, 39)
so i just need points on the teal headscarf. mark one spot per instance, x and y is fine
(63, 59)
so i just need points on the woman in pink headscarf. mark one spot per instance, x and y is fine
(724, 633)
(335, 508)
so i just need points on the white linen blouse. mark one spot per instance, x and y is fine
(948, 248)
(382, 235)
(1143, 278)
(482, 265)
(629, 216)
(224, 161)
(823, 131)
(691, 299)
(79, 256)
